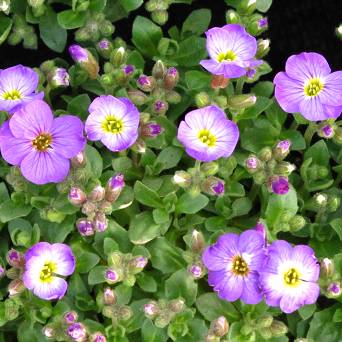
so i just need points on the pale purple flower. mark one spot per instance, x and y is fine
(280, 185)
(78, 53)
(40, 144)
(233, 264)
(308, 87)
(60, 77)
(207, 134)
(289, 276)
(114, 121)
(18, 86)
(77, 332)
(45, 266)
(231, 50)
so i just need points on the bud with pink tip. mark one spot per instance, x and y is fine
(196, 271)
(111, 276)
(77, 332)
(79, 160)
(151, 130)
(70, 317)
(114, 187)
(100, 222)
(197, 241)
(85, 227)
(138, 263)
(334, 289)
(219, 327)
(327, 267)
(280, 185)
(15, 258)
(282, 149)
(15, 287)
(146, 83)
(2, 272)
(327, 131)
(98, 337)
(109, 296)
(151, 309)
(252, 164)
(77, 197)
(97, 194)
(213, 186)
(160, 107)
(171, 78)
(48, 331)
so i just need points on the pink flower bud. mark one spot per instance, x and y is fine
(15, 259)
(70, 317)
(252, 163)
(85, 227)
(171, 78)
(114, 187)
(160, 107)
(334, 289)
(109, 296)
(97, 194)
(280, 185)
(2, 272)
(196, 271)
(100, 222)
(79, 160)
(151, 309)
(151, 130)
(77, 197)
(77, 332)
(145, 83)
(98, 337)
(111, 276)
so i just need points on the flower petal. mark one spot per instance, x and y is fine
(251, 293)
(229, 288)
(332, 90)
(55, 289)
(306, 257)
(312, 109)
(108, 105)
(213, 66)
(93, 126)
(64, 259)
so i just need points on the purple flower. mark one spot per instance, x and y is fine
(18, 86)
(196, 271)
(114, 121)
(263, 23)
(129, 69)
(280, 185)
(45, 267)
(233, 263)
(231, 50)
(308, 86)
(207, 134)
(78, 53)
(151, 130)
(85, 227)
(40, 144)
(60, 77)
(77, 332)
(289, 275)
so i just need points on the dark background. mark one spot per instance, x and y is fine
(294, 26)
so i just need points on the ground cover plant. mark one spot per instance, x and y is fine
(167, 187)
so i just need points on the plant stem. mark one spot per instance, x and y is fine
(310, 131)
(239, 86)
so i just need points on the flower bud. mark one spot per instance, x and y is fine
(5, 6)
(252, 164)
(79, 160)
(114, 187)
(77, 332)
(85, 227)
(105, 47)
(263, 48)
(58, 77)
(263, 23)
(2, 272)
(327, 267)
(128, 69)
(241, 101)
(278, 328)
(177, 305)
(146, 83)
(98, 337)
(97, 194)
(219, 82)
(202, 99)
(48, 331)
(213, 186)
(221, 101)
(109, 296)
(151, 130)
(209, 169)
(77, 197)
(282, 149)
(280, 185)
(125, 313)
(139, 146)
(338, 136)
(171, 78)
(100, 222)
(334, 289)
(197, 241)
(158, 70)
(232, 17)
(265, 154)
(160, 107)
(296, 223)
(89, 208)
(247, 6)
(260, 228)
(219, 327)
(334, 203)
(118, 57)
(196, 271)
(320, 199)
(137, 97)
(163, 319)
(15, 287)
(284, 168)
(15, 258)
(326, 131)
(70, 317)
(182, 179)
(138, 263)
(160, 17)
(265, 321)
(251, 72)
(111, 276)
(151, 309)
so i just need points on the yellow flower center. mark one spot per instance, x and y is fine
(112, 125)
(42, 141)
(313, 87)
(207, 138)
(239, 266)
(12, 95)
(227, 56)
(292, 277)
(47, 271)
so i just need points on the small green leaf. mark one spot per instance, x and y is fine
(188, 204)
(263, 5)
(70, 19)
(336, 224)
(5, 27)
(97, 275)
(86, 261)
(150, 333)
(146, 195)
(79, 106)
(307, 311)
(167, 159)
(9, 210)
(191, 51)
(197, 22)
(196, 80)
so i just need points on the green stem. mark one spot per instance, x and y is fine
(294, 125)
(254, 191)
(310, 131)
(197, 166)
(239, 86)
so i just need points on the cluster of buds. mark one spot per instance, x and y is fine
(96, 205)
(193, 255)
(201, 179)
(218, 328)
(163, 312)
(38, 7)
(22, 32)
(55, 76)
(323, 203)
(124, 267)
(96, 27)
(110, 307)
(158, 10)
(270, 168)
(17, 262)
(330, 280)
(160, 87)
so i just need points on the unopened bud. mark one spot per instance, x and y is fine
(15, 287)
(15, 258)
(334, 289)
(326, 131)
(89, 208)
(171, 78)
(197, 241)
(219, 82)
(278, 328)
(177, 305)
(111, 276)
(118, 57)
(173, 97)
(125, 313)
(209, 169)
(151, 130)
(221, 101)
(77, 197)
(265, 154)
(219, 327)
(263, 48)
(334, 203)
(327, 267)
(282, 149)
(213, 186)
(77, 332)
(85, 227)
(85, 59)
(138, 263)
(114, 187)
(129, 69)
(70, 317)
(97, 194)
(196, 271)
(139, 146)
(320, 199)
(160, 107)
(252, 164)
(98, 337)
(100, 222)
(79, 160)
(2, 272)
(151, 309)
(109, 296)
(265, 321)
(146, 83)
(247, 6)
(260, 228)
(284, 168)
(296, 223)
(160, 16)
(48, 331)
(137, 97)
(338, 31)
(338, 136)
(158, 70)
(105, 47)
(232, 17)
(59, 77)
(241, 101)
(280, 185)
(182, 179)
(263, 23)
(202, 99)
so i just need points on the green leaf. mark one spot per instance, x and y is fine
(79, 106)
(131, 5)
(319, 153)
(146, 282)
(86, 261)
(150, 333)
(263, 5)
(95, 160)
(197, 22)
(188, 204)
(261, 104)
(21, 232)
(307, 311)
(167, 159)
(336, 224)
(191, 51)
(211, 307)
(196, 80)
(181, 284)
(97, 5)
(97, 275)
(10, 210)
(241, 206)
(264, 88)
(146, 36)
(70, 19)
(54, 36)
(146, 196)
(5, 27)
